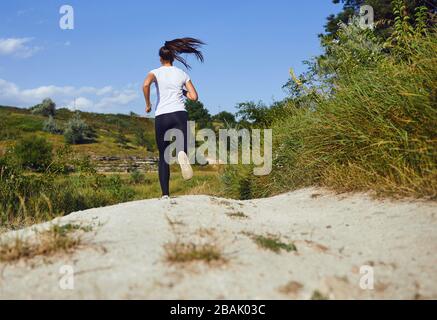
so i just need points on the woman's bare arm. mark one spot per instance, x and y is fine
(146, 90)
(191, 91)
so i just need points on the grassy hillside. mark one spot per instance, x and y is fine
(16, 123)
(29, 195)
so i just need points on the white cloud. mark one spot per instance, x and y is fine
(105, 99)
(121, 98)
(24, 12)
(18, 47)
(105, 90)
(80, 103)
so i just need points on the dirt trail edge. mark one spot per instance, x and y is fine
(300, 245)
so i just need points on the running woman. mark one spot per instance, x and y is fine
(172, 84)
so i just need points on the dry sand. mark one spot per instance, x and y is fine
(124, 256)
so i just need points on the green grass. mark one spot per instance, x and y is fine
(28, 198)
(188, 252)
(272, 243)
(317, 295)
(237, 214)
(42, 197)
(16, 123)
(376, 133)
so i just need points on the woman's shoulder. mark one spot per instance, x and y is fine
(155, 71)
(180, 71)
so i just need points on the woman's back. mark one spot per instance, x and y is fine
(170, 82)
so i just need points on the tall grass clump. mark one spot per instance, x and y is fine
(377, 131)
(368, 123)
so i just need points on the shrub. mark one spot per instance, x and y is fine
(118, 190)
(45, 108)
(51, 126)
(137, 177)
(66, 161)
(142, 140)
(33, 153)
(77, 131)
(20, 194)
(121, 139)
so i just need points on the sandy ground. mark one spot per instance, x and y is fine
(124, 256)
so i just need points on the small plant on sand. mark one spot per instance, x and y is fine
(189, 252)
(58, 239)
(238, 214)
(317, 295)
(272, 243)
(137, 177)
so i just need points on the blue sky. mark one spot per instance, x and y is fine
(100, 65)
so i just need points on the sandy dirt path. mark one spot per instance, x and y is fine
(124, 257)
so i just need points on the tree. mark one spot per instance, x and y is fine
(197, 112)
(33, 153)
(225, 117)
(383, 11)
(77, 131)
(46, 108)
(253, 113)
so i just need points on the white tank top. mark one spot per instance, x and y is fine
(170, 82)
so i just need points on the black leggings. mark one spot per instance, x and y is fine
(164, 122)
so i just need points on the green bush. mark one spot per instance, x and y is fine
(121, 139)
(21, 195)
(137, 177)
(142, 140)
(77, 131)
(33, 152)
(45, 108)
(66, 161)
(116, 187)
(51, 126)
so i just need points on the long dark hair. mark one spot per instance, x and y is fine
(173, 49)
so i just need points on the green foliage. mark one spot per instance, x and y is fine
(33, 152)
(236, 181)
(13, 123)
(384, 15)
(137, 177)
(46, 108)
(51, 126)
(252, 113)
(16, 188)
(404, 30)
(121, 139)
(77, 131)
(272, 243)
(258, 115)
(16, 122)
(67, 161)
(366, 124)
(143, 140)
(226, 117)
(197, 112)
(355, 48)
